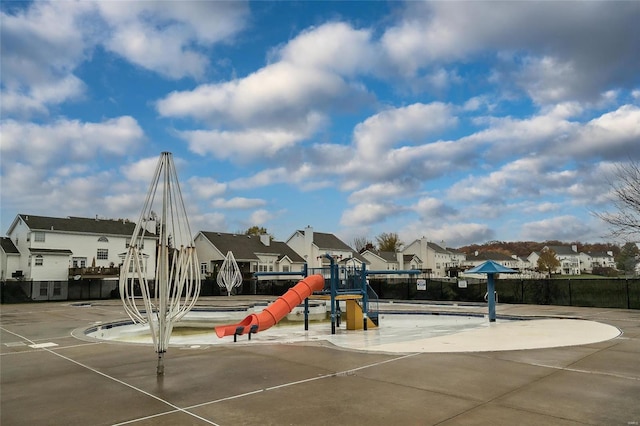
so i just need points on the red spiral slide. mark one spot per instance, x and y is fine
(277, 310)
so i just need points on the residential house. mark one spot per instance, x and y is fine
(437, 262)
(9, 260)
(54, 250)
(570, 262)
(595, 260)
(391, 261)
(252, 254)
(503, 259)
(312, 247)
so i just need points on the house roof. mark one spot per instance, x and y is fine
(247, 247)
(79, 225)
(328, 241)
(563, 250)
(389, 256)
(599, 254)
(8, 247)
(490, 255)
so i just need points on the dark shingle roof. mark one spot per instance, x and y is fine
(389, 256)
(563, 250)
(8, 246)
(490, 255)
(328, 241)
(79, 225)
(246, 247)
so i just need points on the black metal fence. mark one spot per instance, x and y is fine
(605, 293)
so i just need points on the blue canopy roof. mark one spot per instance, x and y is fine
(490, 267)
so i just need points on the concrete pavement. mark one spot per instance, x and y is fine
(48, 376)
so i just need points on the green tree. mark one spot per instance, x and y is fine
(548, 262)
(389, 242)
(628, 258)
(257, 231)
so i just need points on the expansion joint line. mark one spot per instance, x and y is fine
(66, 358)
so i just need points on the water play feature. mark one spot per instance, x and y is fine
(175, 286)
(229, 275)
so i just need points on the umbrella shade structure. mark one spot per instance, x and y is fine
(491, 268)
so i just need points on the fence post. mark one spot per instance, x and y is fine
(570, 302)
(626, 280)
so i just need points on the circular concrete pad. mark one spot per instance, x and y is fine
(501, 336)
(404, 333)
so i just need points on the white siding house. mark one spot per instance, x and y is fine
(436, 261)
(54, 250)
(312, 247)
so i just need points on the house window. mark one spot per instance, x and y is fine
(44, 289)
(103, 239)
(203, 268)
(39, 260)
(79, 262)
(38, 237)
(57, 288)
(128, 243)
(285, 268)
(103, 254)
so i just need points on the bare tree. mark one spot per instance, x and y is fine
(625, 220)
(360, 243)
(389, 242)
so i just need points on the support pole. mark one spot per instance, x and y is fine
(491, 297)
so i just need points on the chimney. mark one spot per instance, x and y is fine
(308, 239)
(265, 239)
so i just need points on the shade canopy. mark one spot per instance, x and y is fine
(490, 267)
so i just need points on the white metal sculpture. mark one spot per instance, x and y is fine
(176, 281)
(229, 275)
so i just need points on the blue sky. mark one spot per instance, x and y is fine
(462, 122)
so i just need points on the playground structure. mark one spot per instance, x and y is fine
(348, 284)
(176, 283)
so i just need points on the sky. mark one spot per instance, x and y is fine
(461, 122)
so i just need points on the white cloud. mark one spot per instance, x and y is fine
(368, 213)
(237, 203)
(41, 47)
(594, 42)
(246, 145)
(167, 37)
(334, 46)
(433, 208)
(142, 170)
(564, 228)
(260, 217)
(452, 234)
(66, 140)
(204, 188)
(384, 191)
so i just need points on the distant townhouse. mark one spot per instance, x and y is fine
(437, 262)
(252, 253)
(383, 260)
(595, 260)
(478, 258)
(312, 247)
(54, 250)
(9, 260)
(570, 261)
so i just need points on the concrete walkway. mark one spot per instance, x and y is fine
(48, 376)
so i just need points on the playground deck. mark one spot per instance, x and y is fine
(50, 377)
